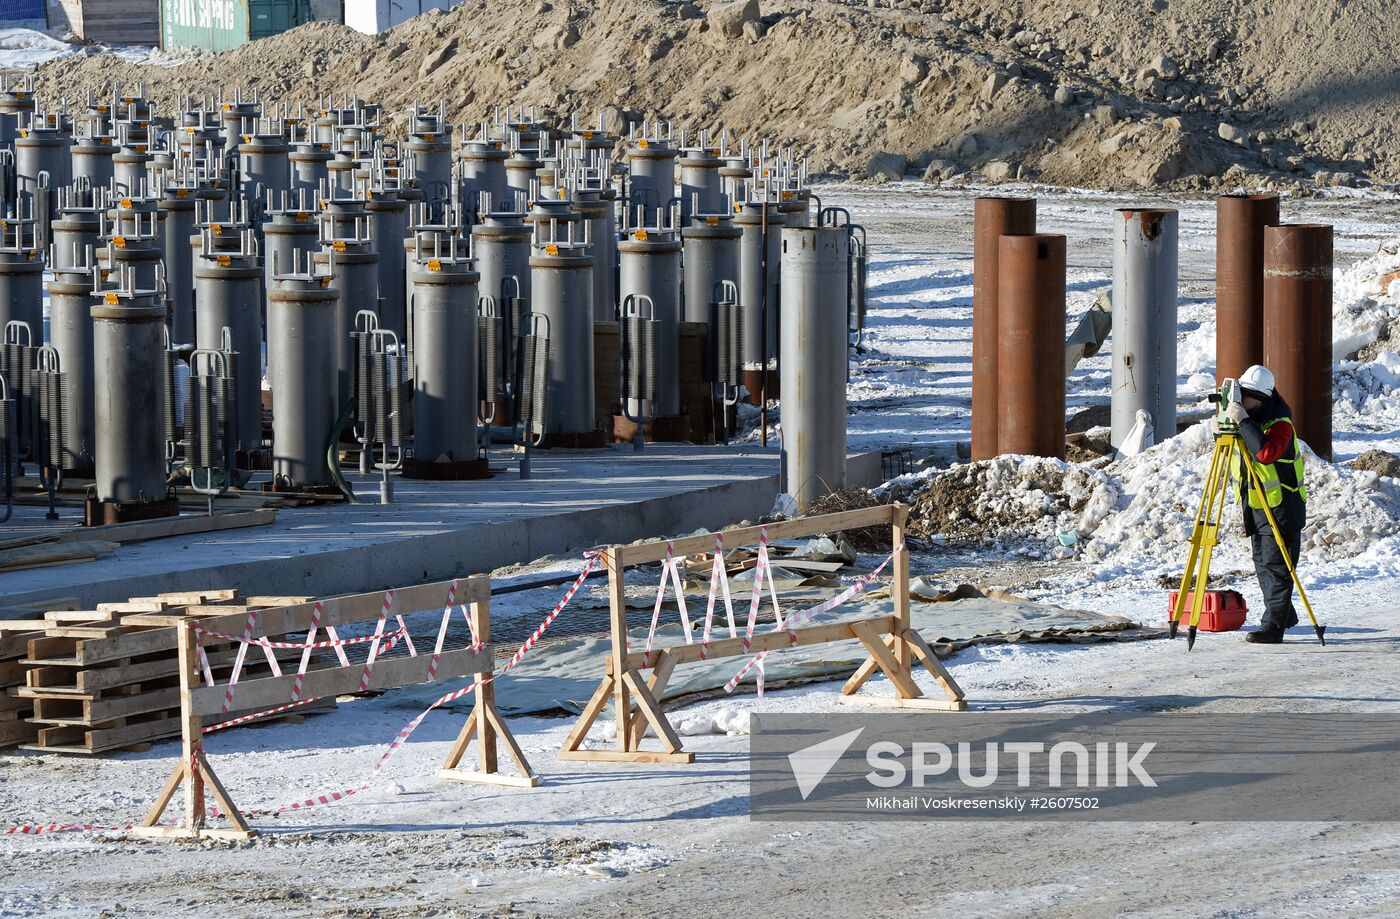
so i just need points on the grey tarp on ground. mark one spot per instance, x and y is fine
(564, 675)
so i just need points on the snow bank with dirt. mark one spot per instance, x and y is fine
(1133, 517)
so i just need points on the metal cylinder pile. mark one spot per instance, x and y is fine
(213, 261)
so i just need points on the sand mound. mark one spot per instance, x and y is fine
(1191, 93)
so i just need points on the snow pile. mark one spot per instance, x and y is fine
(25, 48)
(1365, 299)
(1368, 388)
(1135, 516)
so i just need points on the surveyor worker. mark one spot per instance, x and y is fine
(1267, 432)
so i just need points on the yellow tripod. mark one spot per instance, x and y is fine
(1205, 535)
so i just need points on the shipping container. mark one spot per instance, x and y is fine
(220, 25)
(113, 22)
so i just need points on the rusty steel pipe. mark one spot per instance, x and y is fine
(1031, 352)
(992, 218)
(1298, 326)
(1239, 280)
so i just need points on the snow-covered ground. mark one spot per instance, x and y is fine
(24, 49)
(643, 840)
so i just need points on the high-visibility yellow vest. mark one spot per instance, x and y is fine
(1274, 486)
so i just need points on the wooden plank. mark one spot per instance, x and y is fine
(627, 756)
(589, 714)
(787, 529)
(889, 662)
(766, 641)
(387, 674)
(935, 667)
(53, 553)
(617, 614)
(142, 530)
(651, 710)
(352, 608)
(17, 732)
(96, 712)
(100, 650)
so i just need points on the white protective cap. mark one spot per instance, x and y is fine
(1258, 379)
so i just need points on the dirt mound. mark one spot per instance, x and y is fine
(1378, 461)
(1005, 499)
(1189, 93)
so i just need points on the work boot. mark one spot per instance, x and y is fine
(1265, 635)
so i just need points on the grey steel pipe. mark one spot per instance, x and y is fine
(501, 245)
(354, 270)
(1240, 222)
(652, 175)
(92, 160)
(129, 169)
(444, 361)
(1298, 326)
(264, 165)
(594, 207)
(432, 158)
(228, 288)
(308, 162)
(651, 268)
(702, 189)
(1031, 329)
(813, 364)
(22, 289)
(128, 347)
(290, 237)
(77, 229)
(42, 151)
(388, 214)
(520, 172)
(71, 334)
(1144, 321)
(562, 293)
(177, 225)
(481, 168)
(710, 255)
(760, 268)
(992, 218)
(301, 325)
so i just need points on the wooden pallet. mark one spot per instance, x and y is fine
(108, 678)
(14, 710)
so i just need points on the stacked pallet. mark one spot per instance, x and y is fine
(101, 680)
(14, 709)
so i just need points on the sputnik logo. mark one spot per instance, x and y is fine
(811, 764)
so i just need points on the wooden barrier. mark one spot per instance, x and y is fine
(198, 701)
(891, 642)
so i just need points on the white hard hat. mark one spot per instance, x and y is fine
(1258, 379)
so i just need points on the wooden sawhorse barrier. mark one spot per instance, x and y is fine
(891, 641)
(198, 701)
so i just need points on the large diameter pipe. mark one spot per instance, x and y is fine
(1144, 321)
(230, 297)
(562, 293)
(389, 217)
(1031, 357)
(813, 362)
(129, 344)
(711, 255)
(177, 221)
(355, 273)
(652, 268)
(444, 362)
(992, 218)
(300, 326)
(70, 332)
(1298, 326)
(1240, 222)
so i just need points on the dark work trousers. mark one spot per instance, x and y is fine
(1274, 579)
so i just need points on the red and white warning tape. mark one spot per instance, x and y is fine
(806, 614)
(408, 729)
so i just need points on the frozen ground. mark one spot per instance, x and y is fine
(628, 841)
